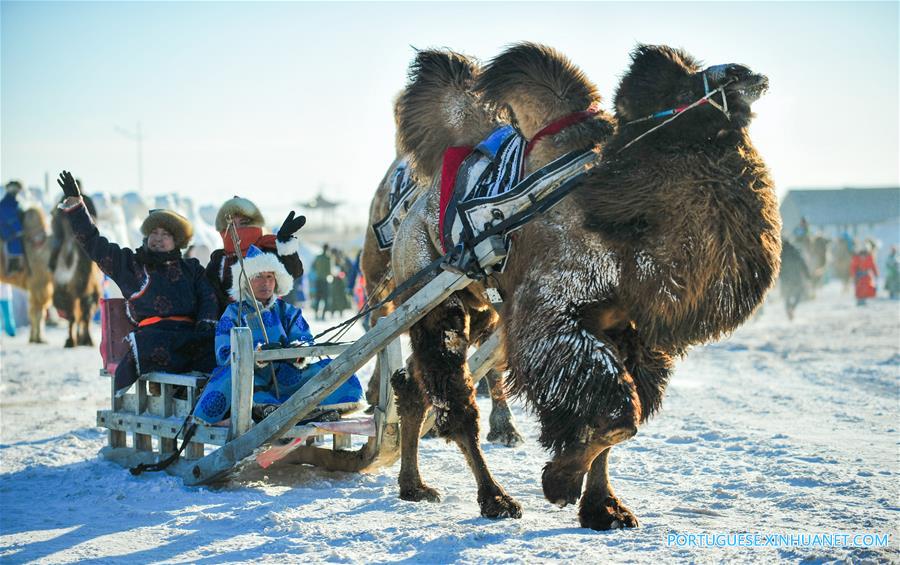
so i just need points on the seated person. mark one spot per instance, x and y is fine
(284, 324)
(167, 297)
(249, 224)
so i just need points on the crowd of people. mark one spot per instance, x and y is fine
(863, 264)
(182, 311)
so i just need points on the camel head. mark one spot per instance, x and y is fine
(662, 78)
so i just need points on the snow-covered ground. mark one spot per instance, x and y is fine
(785, 428)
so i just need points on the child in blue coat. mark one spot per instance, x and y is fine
(268, 281)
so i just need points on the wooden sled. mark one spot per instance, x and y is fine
(155, 421)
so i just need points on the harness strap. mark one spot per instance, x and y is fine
(156, 319)
(562, 123)
(453, 159)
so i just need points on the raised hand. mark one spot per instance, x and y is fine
(68, 185)
(290, 226)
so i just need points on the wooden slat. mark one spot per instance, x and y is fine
(159, 426)
(187, 379)
(142, 441)
(389, 360)
(305, 351)
(330, 378)
(166, 409)
(341, 442)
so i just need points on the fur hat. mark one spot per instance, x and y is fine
(176, 224)
(242, 206)
(256, 262)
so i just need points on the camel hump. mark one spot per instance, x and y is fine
(439, 109)
(537, 84)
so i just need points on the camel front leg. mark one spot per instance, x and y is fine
(411, 406)
(600, 508)
(440, 342)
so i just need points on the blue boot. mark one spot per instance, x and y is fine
(9, 322)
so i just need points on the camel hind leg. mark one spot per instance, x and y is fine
(411, 406)
(503, 430)
(440, 342)
(503, 427)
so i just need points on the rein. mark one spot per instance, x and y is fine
(562, 123)
(677, 112)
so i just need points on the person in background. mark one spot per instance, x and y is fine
(250, 224)
(11, 228)
(322, 270)
(274, 382)
(892, 274)
(167, 297)
(864, 272)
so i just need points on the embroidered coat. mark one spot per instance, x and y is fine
(176, 287)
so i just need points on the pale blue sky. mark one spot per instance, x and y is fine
(275, 100)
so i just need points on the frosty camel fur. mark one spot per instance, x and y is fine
(376, 267)
(36, 277)
(671, 242)
(76, 279)
(439, 377)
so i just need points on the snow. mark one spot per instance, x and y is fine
(782, 428)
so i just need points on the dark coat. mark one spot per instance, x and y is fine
(174, 287)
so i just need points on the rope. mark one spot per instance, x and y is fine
(390, 297)
(232, 230)
(161, 465)
(677, 112)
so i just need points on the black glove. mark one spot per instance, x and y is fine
(205, 326)
(290, 226)
(68, 185)
(281, 343)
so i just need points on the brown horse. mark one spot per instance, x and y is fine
(671, 240)
(36, 277)
(76, 280)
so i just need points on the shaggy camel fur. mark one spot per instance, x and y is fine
(666, 243)
(76, 279)
(36, 277)
(376, 266)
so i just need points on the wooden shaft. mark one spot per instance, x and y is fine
(241, 380)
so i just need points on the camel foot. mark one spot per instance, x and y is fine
(419, 493)
(499, 506)
(37, 340)
(610, 514)
(505, 434)
(69, 343)
(561, 486)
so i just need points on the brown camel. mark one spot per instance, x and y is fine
(76, 280)
(375, 263)
(671, 240)
(36, 277)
